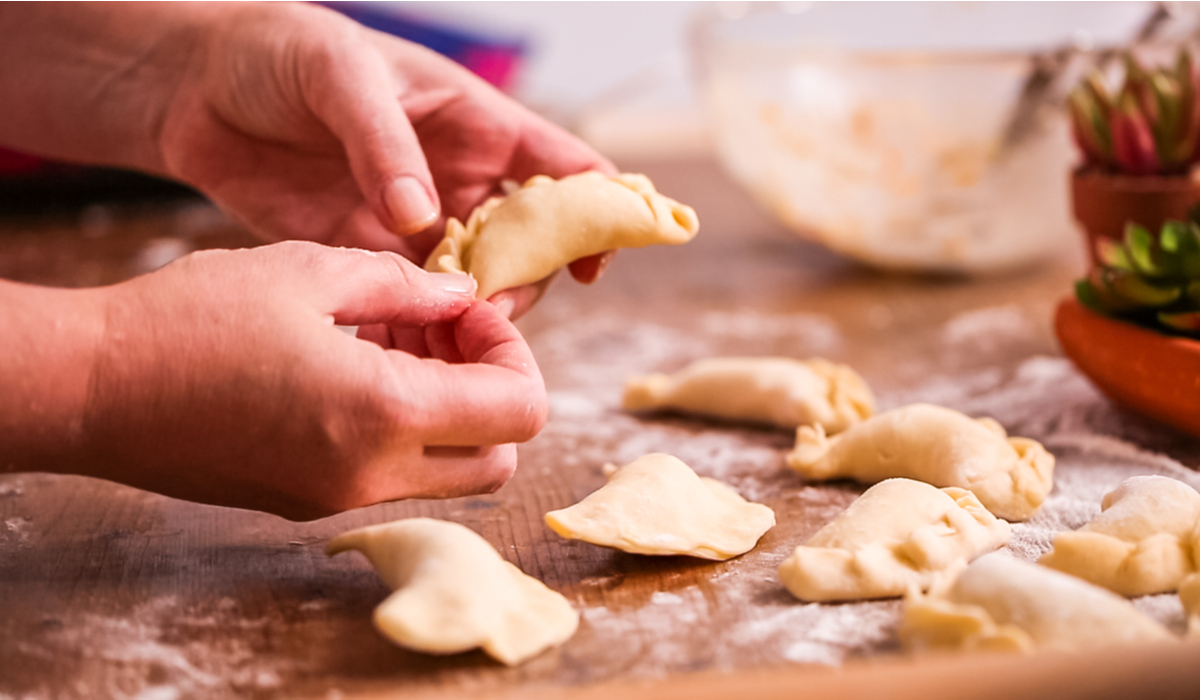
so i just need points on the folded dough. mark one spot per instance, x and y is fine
(1189, 595)
(778, 390)
(1010, 475)
(897, 536)
(658, 505)
(1140, 543)
(524, 237)
(453, 592)
(1002, 604)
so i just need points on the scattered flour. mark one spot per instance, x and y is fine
(740, 610)
(15, 531)
(746, 613)
(818, 333)
(601, 350)
(987, 329)
(199, 659)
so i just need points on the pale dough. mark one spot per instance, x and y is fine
(1140, 543)
(896, 537)
(529, 234)
(777, 390)
(1189, 596)
(1010, 475)
(658, 505)
(1002, 604)
(453, 592)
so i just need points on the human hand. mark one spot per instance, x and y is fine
(304, 124)
(222, 379)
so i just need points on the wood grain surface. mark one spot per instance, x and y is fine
(106, 591)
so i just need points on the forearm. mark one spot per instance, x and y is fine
(90, 82)
(49, 338)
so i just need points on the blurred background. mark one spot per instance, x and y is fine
(928, 137)
(910, 136)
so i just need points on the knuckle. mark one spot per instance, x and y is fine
(399, 269)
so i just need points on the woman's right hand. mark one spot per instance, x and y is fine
(222, 378)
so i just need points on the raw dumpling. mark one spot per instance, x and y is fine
(658, 505)
(1189, 595)
(524, 237)
(897, 536)
(1002, 604)
(776, 390)
(453, 592)
(1011, 476)
(1140, 543)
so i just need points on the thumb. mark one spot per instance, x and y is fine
(358, 287)
(351, 91)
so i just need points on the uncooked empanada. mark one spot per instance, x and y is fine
(1010, 475)
(658, 505)
(1189, 596)
(776, 390)
(453, 592)
(524, 237)
(1002, 604)
(1140, 543)
(897, 536)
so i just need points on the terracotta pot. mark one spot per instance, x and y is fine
(1104, 203)
(1154, 374)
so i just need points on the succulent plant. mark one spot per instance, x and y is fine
(1149, 126)
(1151, 280)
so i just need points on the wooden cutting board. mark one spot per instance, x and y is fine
(109, 591)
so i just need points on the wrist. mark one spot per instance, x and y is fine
(46, 363)
(96, 78)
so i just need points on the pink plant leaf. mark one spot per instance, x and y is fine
(1133, 144)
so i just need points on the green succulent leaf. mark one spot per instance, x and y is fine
(1089, 124)
(1183, 67)
(1150, 279)
(1138, 292)
(1168, 112)
(1139, 245)
(1172, 237)
(1112, 254)
(1086, 294)
(1093, 84)
(1187, 321)
(1192, 293)
(1189, 252)
(1102, 295)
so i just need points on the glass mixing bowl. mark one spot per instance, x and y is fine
(896, 134)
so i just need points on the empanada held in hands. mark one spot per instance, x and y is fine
(778, 391)
(527, 235)
(453, 592)
(1011, 476)
(896, 537)
(658, 505)
(1140, 543)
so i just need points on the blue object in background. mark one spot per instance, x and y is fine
(495, 60)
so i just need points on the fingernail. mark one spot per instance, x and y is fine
(409, 205)
(456, 282)
(505, 306)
